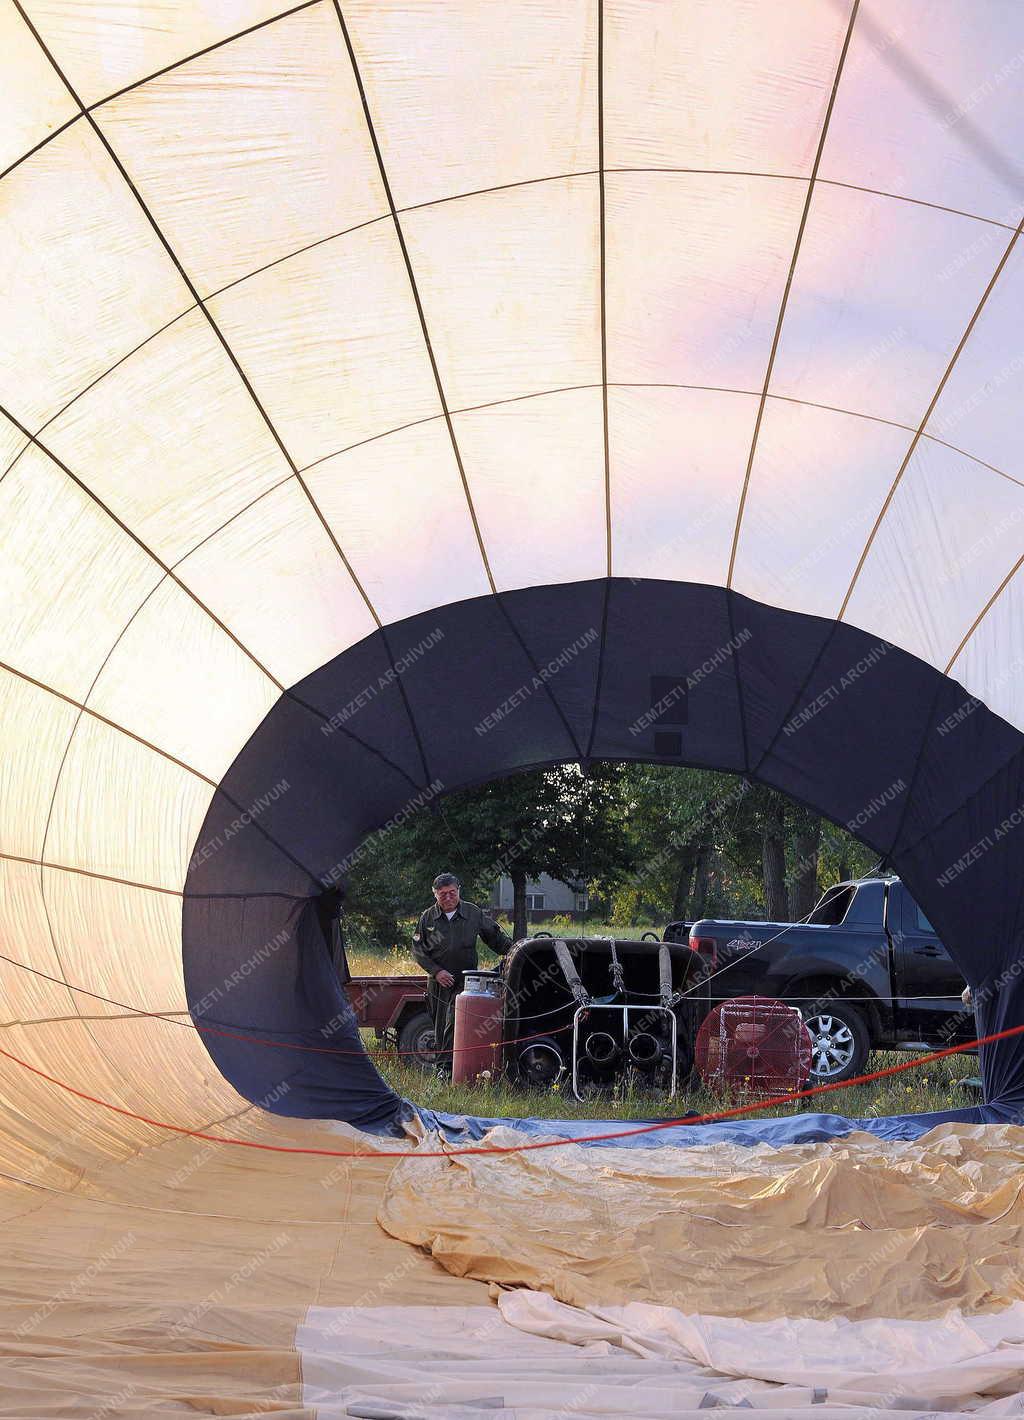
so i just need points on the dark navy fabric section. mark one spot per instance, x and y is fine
(854, 734)
(791, 1129)
(564, 647)
(856, 729)
(775, 657)
(669, 630)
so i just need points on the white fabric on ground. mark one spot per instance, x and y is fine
(534, 1357)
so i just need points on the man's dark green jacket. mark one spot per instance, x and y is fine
(440, 945)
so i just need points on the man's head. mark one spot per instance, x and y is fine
(446, 891)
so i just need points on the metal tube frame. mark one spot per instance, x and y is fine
(645, 1011)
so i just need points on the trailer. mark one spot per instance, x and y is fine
(395, 1007)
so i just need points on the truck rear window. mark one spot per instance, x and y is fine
(832, 907)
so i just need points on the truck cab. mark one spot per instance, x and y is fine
(926, 982)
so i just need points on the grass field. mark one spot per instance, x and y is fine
(931, 1087)
(397, 961)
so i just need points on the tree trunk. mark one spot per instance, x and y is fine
(684, 884)
(804, 892)
(702, 872)
(773, 860)
(518, 903)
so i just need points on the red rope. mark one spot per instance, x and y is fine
(537, 1144)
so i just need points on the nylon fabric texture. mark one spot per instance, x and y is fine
(353, 350)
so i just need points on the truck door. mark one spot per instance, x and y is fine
(926, 982)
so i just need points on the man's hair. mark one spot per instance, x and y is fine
(445, 880)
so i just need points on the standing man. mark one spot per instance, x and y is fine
(444, 945)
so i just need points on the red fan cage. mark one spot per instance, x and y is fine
(753, 1046)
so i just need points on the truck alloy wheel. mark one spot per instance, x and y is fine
(839, 1043)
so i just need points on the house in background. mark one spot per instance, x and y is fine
(545, 897)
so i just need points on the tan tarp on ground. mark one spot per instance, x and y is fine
(857, 1228)
(170, 1276)
(149, 1274)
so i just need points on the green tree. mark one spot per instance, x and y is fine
(681, 820)
(658, 842)
(564, 821)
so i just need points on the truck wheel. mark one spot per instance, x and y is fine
(839, 1043)
(416, 1041)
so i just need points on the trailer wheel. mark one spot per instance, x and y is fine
(416, 1040)
(839, 1042)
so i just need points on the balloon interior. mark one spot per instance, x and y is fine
(396, 396)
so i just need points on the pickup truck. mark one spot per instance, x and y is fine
(866, 971)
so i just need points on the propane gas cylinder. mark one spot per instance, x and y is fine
(479, 1018)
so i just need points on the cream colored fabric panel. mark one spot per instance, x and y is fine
(171, 440)
(398, 508)
(103, 45)
(47, 1135)
(25, 939)
(510, 284)
(45, 1129)
(86, 278)
(176, 679)
(253, 151)
(710, 317)
(117, 941)
(12, 442)
(684, 449)
(818, 481)
(929, 105)
(702, 84)
(33, 101)
(35, 728)
(464, 97)
(980, 408)
(991, 665)
(70, 579)
(881, 298)
(179, 1086)
(536, 472)
(332, 343)
(121, 809)
(81, 1054)
(951, 534)
(24, 997)
(274, 576)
